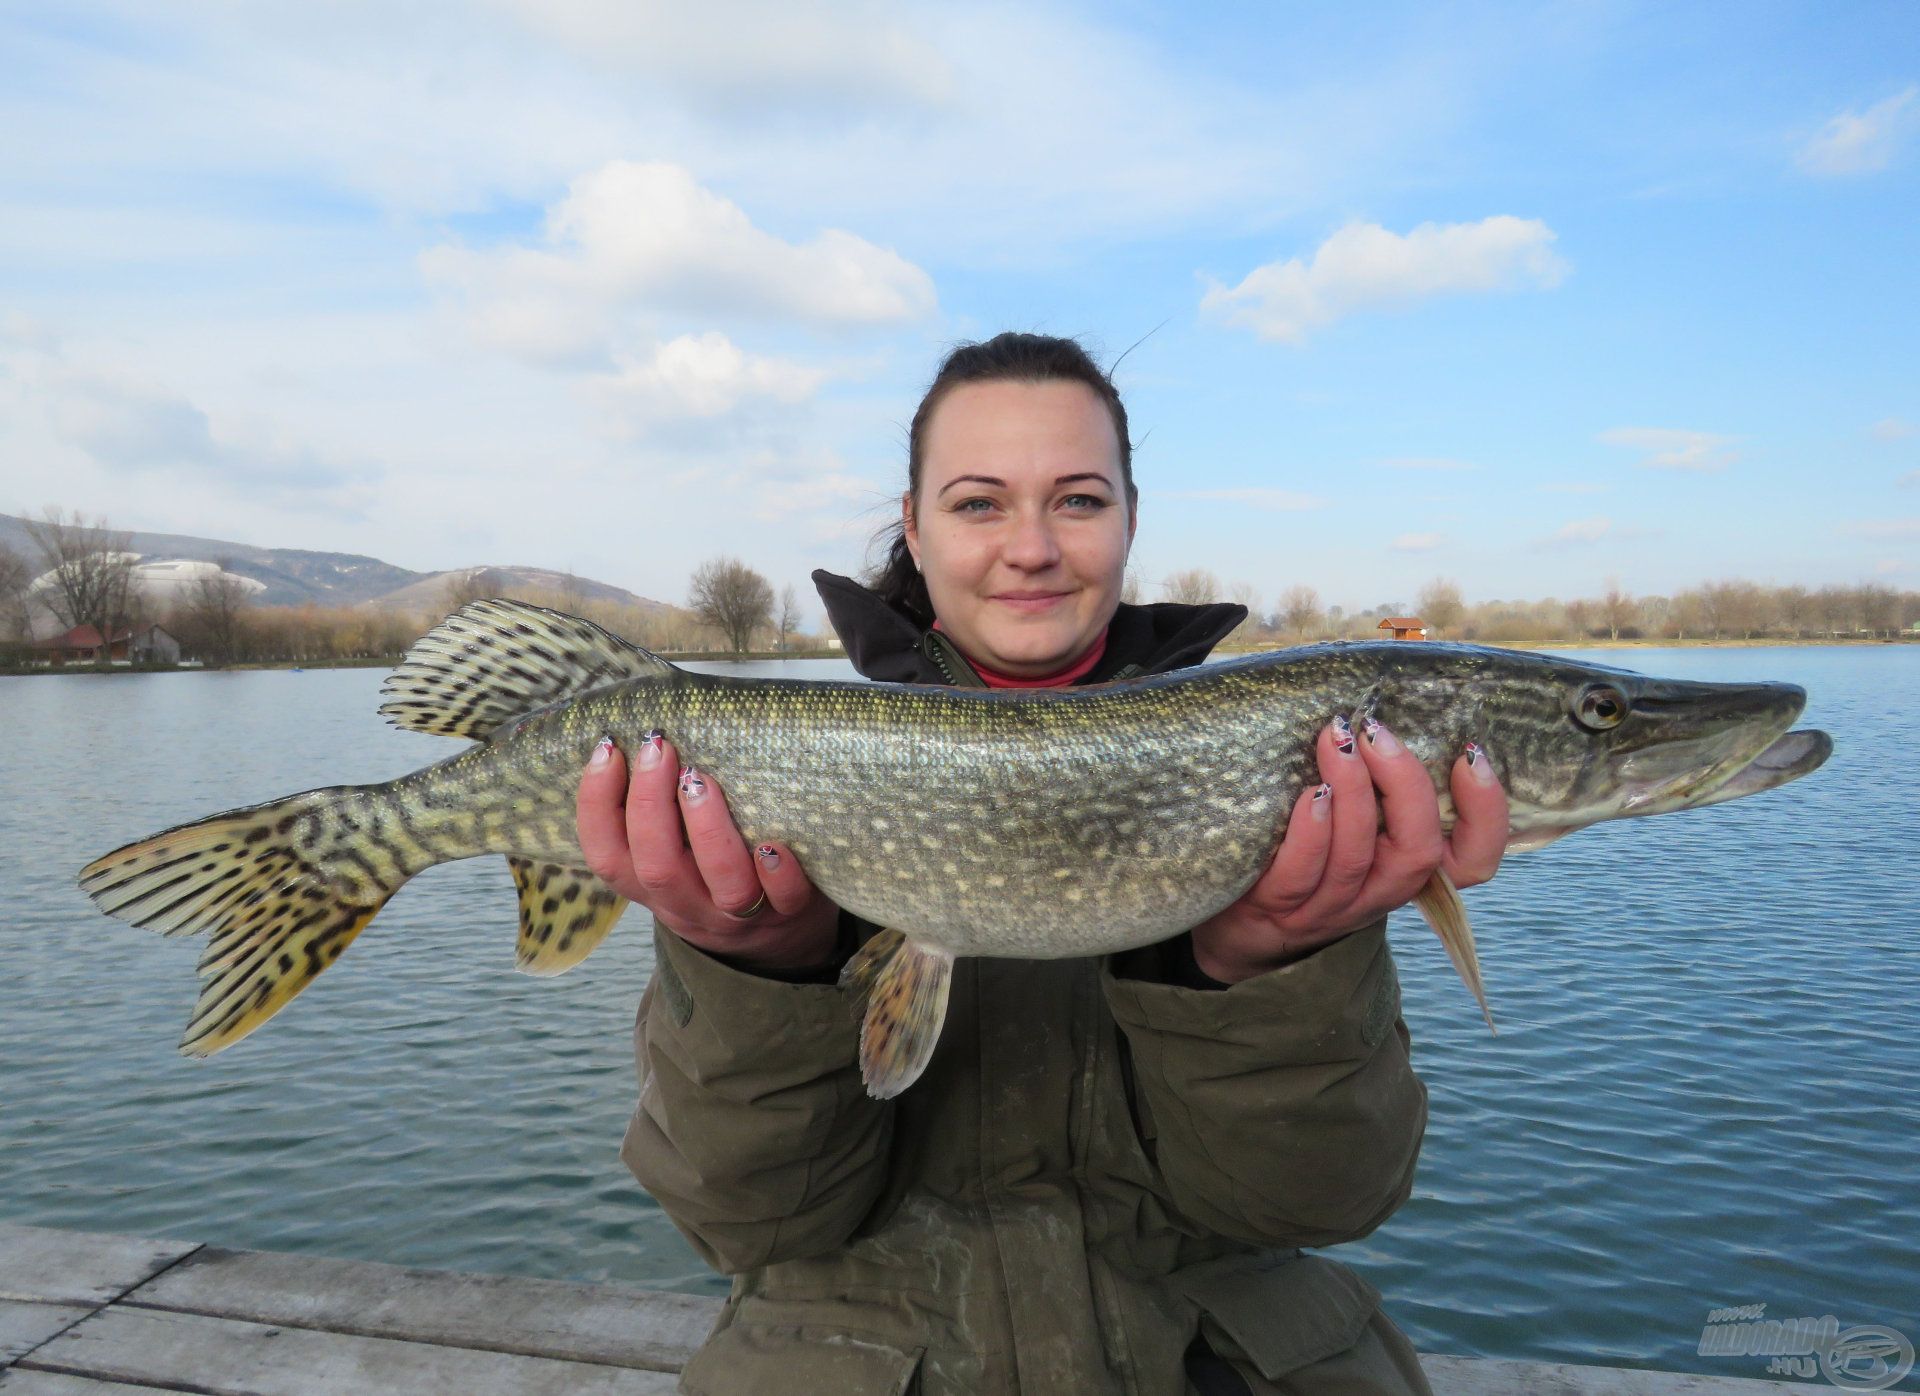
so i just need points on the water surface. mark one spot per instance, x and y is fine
(1705, 1090)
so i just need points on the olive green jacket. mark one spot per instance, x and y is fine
(1098, 1167)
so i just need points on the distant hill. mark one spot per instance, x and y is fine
(426, 594)
(300, 577)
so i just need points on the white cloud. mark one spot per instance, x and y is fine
(1583, 530)
(1862, 142)
(1892, 429)
(1366, 267)
(747, 56)
(1428, 463)
(1418, 542)
(647, 238)
(1667, 448)
(779, 500)
(1900, 530)
(701, 377)
(1280, 501)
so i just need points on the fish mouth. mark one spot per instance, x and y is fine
(1790, 757)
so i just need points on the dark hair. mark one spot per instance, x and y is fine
(1006, 358)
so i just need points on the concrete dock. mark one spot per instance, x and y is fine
(84, 1314)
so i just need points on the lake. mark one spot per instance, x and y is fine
(1705, 1091)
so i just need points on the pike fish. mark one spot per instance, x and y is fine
(1031, 823)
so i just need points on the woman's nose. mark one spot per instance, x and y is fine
(1031, 546)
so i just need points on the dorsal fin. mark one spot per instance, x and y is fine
(492, 661)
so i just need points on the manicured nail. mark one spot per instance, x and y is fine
(692, 785)
(1342, 736)
(1477, 763)
(1323, 804)
(602, 753)
(1381, 740)
(650, 749)
(769, 856)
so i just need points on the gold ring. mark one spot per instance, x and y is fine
(752, 911)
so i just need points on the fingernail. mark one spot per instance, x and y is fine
(692, 785)
(1323, 804)
(650, 749)
(1342, 736)
(602, 753)
(1381, 740)
(1477, 763)
(769, 856)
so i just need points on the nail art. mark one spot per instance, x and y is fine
(1477, 763)
(650, 748)
(691, 784)
(653, 738)
(769, 856)
(1381, 739)
(1342, 736)
(1322, 804)
(602, 750)
(1325, 792)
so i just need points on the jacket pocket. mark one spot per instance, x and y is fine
(745, 1359)
(1278, 1312)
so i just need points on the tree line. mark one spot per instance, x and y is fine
(1729, 609)
(81, 573)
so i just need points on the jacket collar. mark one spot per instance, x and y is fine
(891, 646)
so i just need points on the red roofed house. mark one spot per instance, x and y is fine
(82, 645)
(1405, 627)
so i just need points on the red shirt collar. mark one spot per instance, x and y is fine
(1059, 679)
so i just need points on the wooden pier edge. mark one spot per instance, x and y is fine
(85, 1314)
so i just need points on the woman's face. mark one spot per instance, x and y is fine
(1021, 528)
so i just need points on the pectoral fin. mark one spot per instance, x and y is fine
(901, 986)
(1439, 901)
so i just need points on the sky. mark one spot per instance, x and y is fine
(1525, 296)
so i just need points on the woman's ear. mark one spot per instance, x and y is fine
(909, 530)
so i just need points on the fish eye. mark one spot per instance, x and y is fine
(1600, 706)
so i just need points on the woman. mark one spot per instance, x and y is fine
(1100, 1183)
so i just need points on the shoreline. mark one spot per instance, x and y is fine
(759, 656)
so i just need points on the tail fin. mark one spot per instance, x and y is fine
(283, 887)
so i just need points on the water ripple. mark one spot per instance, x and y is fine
(1704, 1091)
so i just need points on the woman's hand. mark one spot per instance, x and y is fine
(669, 842)
(1338, 869)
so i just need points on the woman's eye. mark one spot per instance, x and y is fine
(973, 506)
(1084, 501)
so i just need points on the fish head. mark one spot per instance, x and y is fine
(1576, 744)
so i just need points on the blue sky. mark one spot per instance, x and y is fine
(1525, 296)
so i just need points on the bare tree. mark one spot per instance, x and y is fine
(573, 594)
(14, 577)
(89, 574)
(1130, 588)
(789, 613)
(1194, 587)
(733, 598)
(471, 584)
(1616, 608)
(1299, 612)
(1440, 604)
(214, 615)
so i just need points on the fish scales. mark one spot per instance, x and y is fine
(1026, 823)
